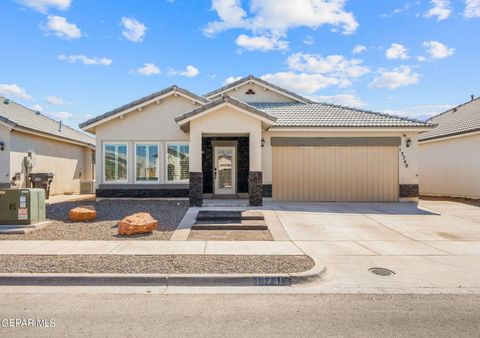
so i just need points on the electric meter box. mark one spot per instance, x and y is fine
(22, 206)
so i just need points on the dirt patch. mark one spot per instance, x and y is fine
(198, 264)
(469, 201)
(230, 235)
(109, 213)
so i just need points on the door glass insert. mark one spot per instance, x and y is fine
(225, 166)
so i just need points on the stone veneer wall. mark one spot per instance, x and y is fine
(196, 189)
(255, 188)
(267, 190)
(243, 162)
(409, 190)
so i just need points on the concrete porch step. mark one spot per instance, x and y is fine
(229, 220)
(246, 225)
(226, 215)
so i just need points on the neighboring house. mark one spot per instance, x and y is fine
(253, 139)
(33, 143)
(450, 153)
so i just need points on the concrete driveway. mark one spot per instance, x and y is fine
(435, 244)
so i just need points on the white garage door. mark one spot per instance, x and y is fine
(335, 173)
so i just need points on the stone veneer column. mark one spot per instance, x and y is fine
(255, 188)
(196, 189)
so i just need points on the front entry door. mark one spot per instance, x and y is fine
(224, 171)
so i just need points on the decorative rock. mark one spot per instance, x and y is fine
(82, 214)
(139, 223)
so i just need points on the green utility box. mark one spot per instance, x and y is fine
(22, 206)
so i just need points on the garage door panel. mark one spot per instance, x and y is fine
(335, 173)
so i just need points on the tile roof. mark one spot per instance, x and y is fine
(462, 119)
(17, 115)
(256, 79)
(142, 100)
(231, 100)
(329, 115)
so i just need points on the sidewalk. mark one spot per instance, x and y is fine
(149, 248)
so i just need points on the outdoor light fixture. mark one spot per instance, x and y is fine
(408, 143)
(263, 142)
(2, 146)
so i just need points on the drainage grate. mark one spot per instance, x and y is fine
(381, 271)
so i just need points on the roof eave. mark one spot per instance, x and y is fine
(450, 135)
(195, 113)
(260, 82)
(90, 125)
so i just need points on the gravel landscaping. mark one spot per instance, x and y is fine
(109, 212)
(198, 264)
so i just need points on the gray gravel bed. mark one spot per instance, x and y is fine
(109, 212)
(199, 264)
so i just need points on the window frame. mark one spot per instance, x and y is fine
(105, 144)
(147, 143)
(166, 161)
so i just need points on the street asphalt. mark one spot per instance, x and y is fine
(120, 315)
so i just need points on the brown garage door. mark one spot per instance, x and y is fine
(335, 173)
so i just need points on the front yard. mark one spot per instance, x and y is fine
(109, 213)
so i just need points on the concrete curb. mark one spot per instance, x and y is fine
(74, 279)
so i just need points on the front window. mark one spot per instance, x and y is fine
(177, 162)
(146, 160)
(115, 162)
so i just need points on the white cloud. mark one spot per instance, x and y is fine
(350, 100)
(399, 10)
(190, 71)
(438, 50)
(148, 69)
(397, 52)
(359, 49)
(336, 65)
(62, 28)
(103, 61)
(231, 79)
(55, 100)
(43, 6)
(275, 17)
(472, 9)
(37, 107)
(62, 115)
(261, 43)
(14, 90)
(397, 77)
(133, 30)
(309, 40)
(441, 9)
(302, 82)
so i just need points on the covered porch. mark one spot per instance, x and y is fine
(225, 150)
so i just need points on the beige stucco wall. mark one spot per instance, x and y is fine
(451, 167)
(261, 95)
(69, 163)
(4, 155)
(407, 175)
(225, 121)
(155, 124)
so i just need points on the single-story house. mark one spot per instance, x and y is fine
(450, 153)
(31, 142)
(254, 139)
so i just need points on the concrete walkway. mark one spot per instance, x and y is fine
(148, 248)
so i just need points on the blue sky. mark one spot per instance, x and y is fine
(75, 59)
